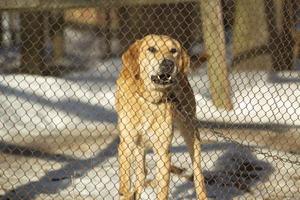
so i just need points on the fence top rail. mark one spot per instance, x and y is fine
(65, 4)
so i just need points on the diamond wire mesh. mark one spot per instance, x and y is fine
(59, 64)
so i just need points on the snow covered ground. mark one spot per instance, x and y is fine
(59, 140)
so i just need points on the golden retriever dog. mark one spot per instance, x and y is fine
(153, 94)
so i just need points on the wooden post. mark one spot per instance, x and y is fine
(251, 36)
(32, 40)
(104, 31)
(13, 28)
(282, 41)
(115, 46)
(130, 24)
(1, 30)
(262, 34)
(214, 39)
(56, 21)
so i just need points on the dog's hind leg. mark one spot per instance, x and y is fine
(192, 140)
(188, 132)
(198, 175)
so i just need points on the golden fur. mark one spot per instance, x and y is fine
(148, 110)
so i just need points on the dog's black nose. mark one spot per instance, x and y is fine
(167, 66)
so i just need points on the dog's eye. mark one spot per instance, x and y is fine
(152, 49)
(173, 50)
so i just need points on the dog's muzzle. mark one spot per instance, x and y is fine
(165, 76)
(162, 79)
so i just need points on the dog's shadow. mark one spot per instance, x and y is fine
(234, 173)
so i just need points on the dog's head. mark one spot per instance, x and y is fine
(157, 60)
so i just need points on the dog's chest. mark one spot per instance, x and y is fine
(156, 123)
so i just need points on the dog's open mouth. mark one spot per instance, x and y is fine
(162, 79)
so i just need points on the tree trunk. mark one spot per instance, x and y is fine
(214, 39)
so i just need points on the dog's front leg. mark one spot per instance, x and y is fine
(163, 160)
(140, 171)
(163, 173)
(125, 162)
(161, 139)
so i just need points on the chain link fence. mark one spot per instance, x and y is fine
(59, 62)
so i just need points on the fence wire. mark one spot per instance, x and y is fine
(85, 86)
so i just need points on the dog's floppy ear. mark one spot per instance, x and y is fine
(130, 59)
(185, 60)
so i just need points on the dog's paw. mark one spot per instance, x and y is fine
(177, 170)
(150, 183)
(128, 196)
(182, 172)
